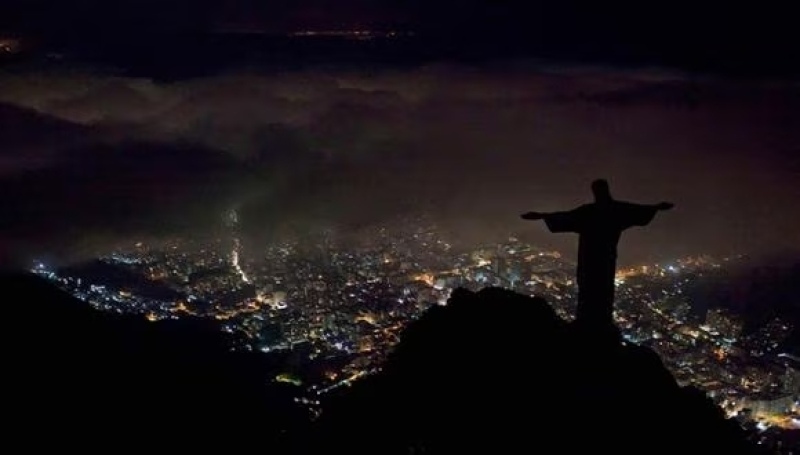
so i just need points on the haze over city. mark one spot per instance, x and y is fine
(102, 155)
(465, 131)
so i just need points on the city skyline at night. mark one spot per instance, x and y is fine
(343, 308)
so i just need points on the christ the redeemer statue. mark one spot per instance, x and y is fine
(599, 226)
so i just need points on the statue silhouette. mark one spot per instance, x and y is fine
(599, 226)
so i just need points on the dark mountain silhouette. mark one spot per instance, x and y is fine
(83, 379)
(494, 371)
(498, 371)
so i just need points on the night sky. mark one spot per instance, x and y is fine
(120, 123)
(739, 34)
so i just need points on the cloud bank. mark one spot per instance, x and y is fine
(89, 158)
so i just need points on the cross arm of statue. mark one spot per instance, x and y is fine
(622, 214)
(533, 216)
(543, 215)
(569, 221)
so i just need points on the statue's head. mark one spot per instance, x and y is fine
(601, 190)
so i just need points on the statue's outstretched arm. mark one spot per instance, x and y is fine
(632, 214)
(570, 221)
(533, 216)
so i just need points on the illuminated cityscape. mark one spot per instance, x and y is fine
(340, 309)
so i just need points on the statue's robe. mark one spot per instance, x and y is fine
(599, 226)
